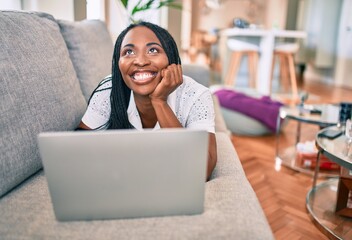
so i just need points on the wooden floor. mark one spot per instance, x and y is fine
(282, 192)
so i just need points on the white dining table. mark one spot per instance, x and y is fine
(266, 45)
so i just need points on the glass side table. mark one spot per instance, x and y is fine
(322, 115)
(335, 149)
(322, 199)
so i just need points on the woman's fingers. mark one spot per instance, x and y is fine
(175, 74)
(171, 78)
(180, 74)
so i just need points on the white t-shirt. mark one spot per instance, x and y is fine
(191, 102)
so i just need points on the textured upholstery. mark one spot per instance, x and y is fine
(220, 124)
(91, 48)
(198, 72)
(38, 91)
(231, 211)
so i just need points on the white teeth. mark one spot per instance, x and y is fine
(142, 76)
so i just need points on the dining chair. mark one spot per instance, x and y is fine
(239, 50)
(284, 54)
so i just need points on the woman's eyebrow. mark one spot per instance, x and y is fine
(148, 45)
(129, 45)
(153, 43)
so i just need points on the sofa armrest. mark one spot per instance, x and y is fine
(220, 125)
(230, 193)
(199, 72)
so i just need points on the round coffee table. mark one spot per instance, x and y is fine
(322, 115)
(335, 149)
(322, 199)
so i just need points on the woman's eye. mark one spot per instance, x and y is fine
(128, 52)
(153, 50)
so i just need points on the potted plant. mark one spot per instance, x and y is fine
(145, 5)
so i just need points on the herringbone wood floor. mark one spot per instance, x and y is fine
(282, 193)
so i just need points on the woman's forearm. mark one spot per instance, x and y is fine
(166, 117)
(212, 155)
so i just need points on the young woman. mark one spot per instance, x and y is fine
(147, 89)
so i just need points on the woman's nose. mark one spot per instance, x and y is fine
(142, 60)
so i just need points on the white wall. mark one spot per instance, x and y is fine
(276, 14)
(10, 4)
(96, 9)
(116, 17)
(343, 70)
(321, 20)
(60, 9)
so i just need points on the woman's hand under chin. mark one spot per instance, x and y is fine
(171, 78)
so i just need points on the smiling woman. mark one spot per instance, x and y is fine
(142, 63)
(148, 90)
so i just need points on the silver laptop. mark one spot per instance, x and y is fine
(125, 173)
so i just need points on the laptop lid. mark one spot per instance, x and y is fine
(125, 173)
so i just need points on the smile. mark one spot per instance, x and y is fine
(143, 76)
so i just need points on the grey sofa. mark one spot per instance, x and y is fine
(48, 68)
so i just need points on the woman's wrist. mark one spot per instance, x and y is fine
(158, 102)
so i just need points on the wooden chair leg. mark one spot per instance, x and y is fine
(287, 74)
(231, 76)
(283, 72)
(291, 66)
(252, 63)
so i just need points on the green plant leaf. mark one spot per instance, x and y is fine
(170, 3)
(125, 3)
(142, 7)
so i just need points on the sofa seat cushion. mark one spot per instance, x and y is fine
(39, 91)
(91, 48)
(231, 211)
(198, 72)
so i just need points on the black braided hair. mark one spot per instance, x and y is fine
(120, 93)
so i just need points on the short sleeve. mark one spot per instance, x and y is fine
(99, 108)
(202, 115)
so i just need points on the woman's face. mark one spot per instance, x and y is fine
(142, 58)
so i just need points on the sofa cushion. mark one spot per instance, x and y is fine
(91, 48)
(199, 72)
(231, 211)
(220, 125)
(39, 91)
